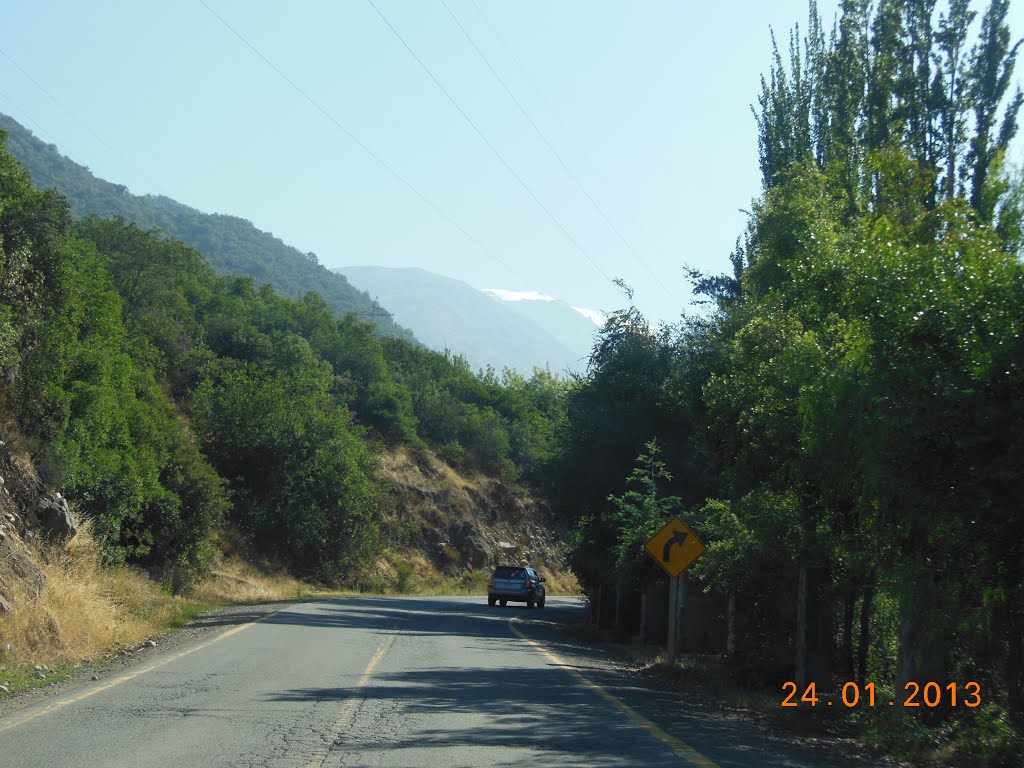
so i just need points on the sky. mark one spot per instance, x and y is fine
(626, 150)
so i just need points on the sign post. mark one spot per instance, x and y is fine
(675, 547)
(673, 616)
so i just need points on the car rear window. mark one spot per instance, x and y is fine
(504, 572)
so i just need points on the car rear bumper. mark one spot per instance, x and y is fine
(520, 596)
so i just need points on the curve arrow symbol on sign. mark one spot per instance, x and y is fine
(678, 537)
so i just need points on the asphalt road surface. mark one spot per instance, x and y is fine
(383, 682)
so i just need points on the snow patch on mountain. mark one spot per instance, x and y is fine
(596, 316)
(506, 295)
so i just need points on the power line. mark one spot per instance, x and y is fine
(494, 150)
(362, 145)
(557, 155)
(80, 121)
(42, 131)
(552, 111)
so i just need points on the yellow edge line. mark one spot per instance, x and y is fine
(57, 705)
(681, 748)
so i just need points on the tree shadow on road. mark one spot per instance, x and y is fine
(506, 708)
(516, 705)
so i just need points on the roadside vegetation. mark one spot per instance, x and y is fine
(843, 422)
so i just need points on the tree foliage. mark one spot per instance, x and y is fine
(853, 400)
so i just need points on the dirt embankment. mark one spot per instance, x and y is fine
(462, 524)
(21, 491)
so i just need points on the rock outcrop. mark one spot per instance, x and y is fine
(466, 521)
(52, 518)
(27, 511)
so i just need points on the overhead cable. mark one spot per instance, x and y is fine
(579, 184)
(361, 144)
(494, 150)
(552, 111)
(79, 120)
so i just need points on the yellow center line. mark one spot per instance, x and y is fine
(58, 705)
(348, 708)
(681, 748)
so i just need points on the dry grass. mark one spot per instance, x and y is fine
(426, 473)
(455, 478)
(233, 580)
(236, 578)
(84, 609)
(561, 582)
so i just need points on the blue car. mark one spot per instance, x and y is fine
(515, 583)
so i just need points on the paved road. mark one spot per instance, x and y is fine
(380, 682)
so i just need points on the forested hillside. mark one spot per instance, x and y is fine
(232, 246)
(164, 400)
(844, 422)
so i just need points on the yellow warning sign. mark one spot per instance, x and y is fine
(675, 547)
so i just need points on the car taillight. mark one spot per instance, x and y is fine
(527, 584)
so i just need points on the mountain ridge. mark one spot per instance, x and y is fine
(446, 313)
(231, 244)
(566, 323)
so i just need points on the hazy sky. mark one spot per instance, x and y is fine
(647, 104)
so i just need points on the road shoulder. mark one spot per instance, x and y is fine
(112, 664)
(684, 710)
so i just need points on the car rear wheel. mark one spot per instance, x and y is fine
(491, 600)
(529, 602)
(540, 603)
(504, 603)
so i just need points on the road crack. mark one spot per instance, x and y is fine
(349, 708)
